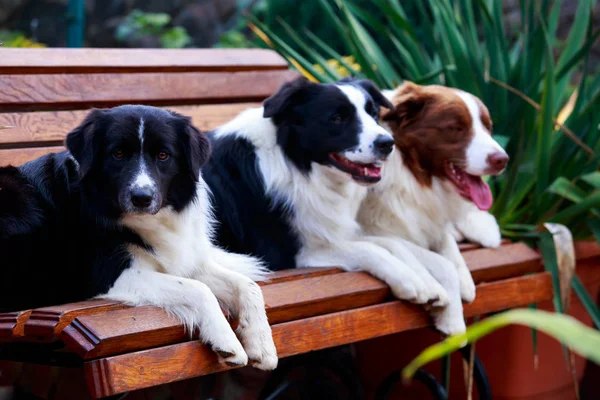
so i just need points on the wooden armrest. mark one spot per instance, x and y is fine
(132, 329)
(507, 261)
(146, 327)
(12, 325)
(132, 371)
(45, 324)
(467, 246)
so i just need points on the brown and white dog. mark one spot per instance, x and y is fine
(432, 189)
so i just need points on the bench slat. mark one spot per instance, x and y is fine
(132, 329)
(51, 127)
(509, 260)
(43, 92)
(19, 156)
(56, 60)
(11, 324)
(126, 372)
(45, 324)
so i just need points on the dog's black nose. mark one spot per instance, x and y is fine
(141, 197)
(384, 144)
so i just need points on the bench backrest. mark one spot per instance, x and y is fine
(44, 93)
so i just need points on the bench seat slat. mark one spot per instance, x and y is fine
(41, 92)
(101, 335)
(12, 324)
(132, 329)
(506, 261)
(63, 60)
(131, 371)
(45, 324)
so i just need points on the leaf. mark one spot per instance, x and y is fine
(546, 127)
(592, 178)
(581, 339)
(586, 300)
(548, 251)
(578, 209)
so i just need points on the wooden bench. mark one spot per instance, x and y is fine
(44, 93)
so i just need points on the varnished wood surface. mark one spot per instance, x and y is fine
(51, 127)
(44, 324)
(12, 324)
(513, 259)
(130, 329)
(134, 329)
(64, 60)
(131, 371)
(44, 92)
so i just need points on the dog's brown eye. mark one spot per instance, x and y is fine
(163, 155)
(118, 154)
(337, 118)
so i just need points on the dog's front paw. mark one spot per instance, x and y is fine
(411, 288)
(449, 323)
(230, 351)
(467, 286)
(481, 227)
(259, 345)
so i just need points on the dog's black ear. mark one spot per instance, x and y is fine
(193, 143)
(373, 91)
(281, 100)
(82, 141)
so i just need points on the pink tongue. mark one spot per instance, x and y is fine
(479, 192)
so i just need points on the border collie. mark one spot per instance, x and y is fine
(432, 185)
(288, 179)
(125, 215)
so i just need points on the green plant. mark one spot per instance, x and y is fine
(140, 24)
(583, 340)
(551, 133)
(17, 39)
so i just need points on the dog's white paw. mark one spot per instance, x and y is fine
(481, 227)
(232, 358)
(412, 290)
(230, 350)
(434, 293)
(259, 345)
(449, 323)
(467, 286)
(491, 238)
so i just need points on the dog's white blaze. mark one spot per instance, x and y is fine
(364, 152)
(482, 144)
(141, 133)
(142, 179)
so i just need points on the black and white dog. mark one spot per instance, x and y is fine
(125, 215)
(288, 180)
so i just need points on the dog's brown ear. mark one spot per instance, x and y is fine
(408, 101)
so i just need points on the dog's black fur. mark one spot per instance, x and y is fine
(60, 237)
(308, 130)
